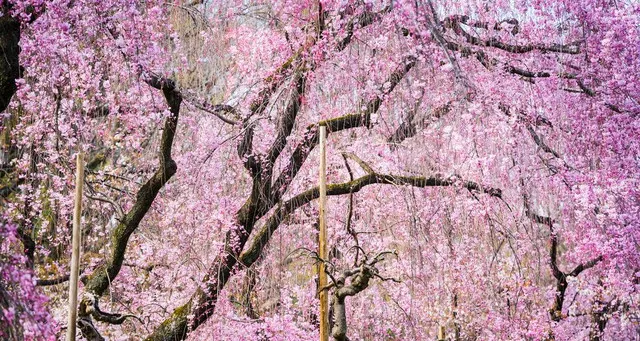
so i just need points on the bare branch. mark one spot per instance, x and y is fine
(380, 256)
(52, 281)
(561, 277)
(584, 266)
(216, 109)
(117, 207)
(359, 278)
(365, 166)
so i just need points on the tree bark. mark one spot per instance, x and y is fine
(9, 51)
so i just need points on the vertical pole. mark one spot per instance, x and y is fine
(441, 333)
(322, 240)
(75, 253)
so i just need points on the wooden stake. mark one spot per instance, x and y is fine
(441, 332)
(322, 243)
(75, 253)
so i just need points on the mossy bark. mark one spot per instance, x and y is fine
(98, 281)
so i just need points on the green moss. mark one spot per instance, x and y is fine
(173, 328)
(98, 160)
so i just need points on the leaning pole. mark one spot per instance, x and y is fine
(322, 239)
(75, 252)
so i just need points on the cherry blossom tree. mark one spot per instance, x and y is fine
(493, 147)
(24, 315)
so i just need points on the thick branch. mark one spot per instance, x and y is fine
(251, 254)
(201, 306)
(98, 281)
(455, 22)
(585, 266)
(288, 119)
(526, 73)
(89, 307)
(539, 120)
(363, 20)
(245, 147)
(349, 121)
(541, 143)
(365, 166)
(257, 107)
(348, 224)
(409, 128)
(88, 330)
(52, 281)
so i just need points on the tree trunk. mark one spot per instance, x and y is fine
(9, 50)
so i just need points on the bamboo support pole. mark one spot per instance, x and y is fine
(322, 240)
(75, 255)
(441, 332)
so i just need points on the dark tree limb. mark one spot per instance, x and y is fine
(258, 106)
(363, 119)
(364, 19)
(9, 54)
(526, 73)
(255, 207)
(585, 266)
(600, 315)
(89, 306)
(52, 281)
(261, 239)
(489, 62)
(55, 281)
(88, 329)
(365, 166)
(348, 225)
(218, 110)
(98, 281)
(539, 121)
(538, 141)
(245, 147)
(405, 130)
(288, 119)
(248, 286)
(455, 22)
(555, 311)
(409, 128)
